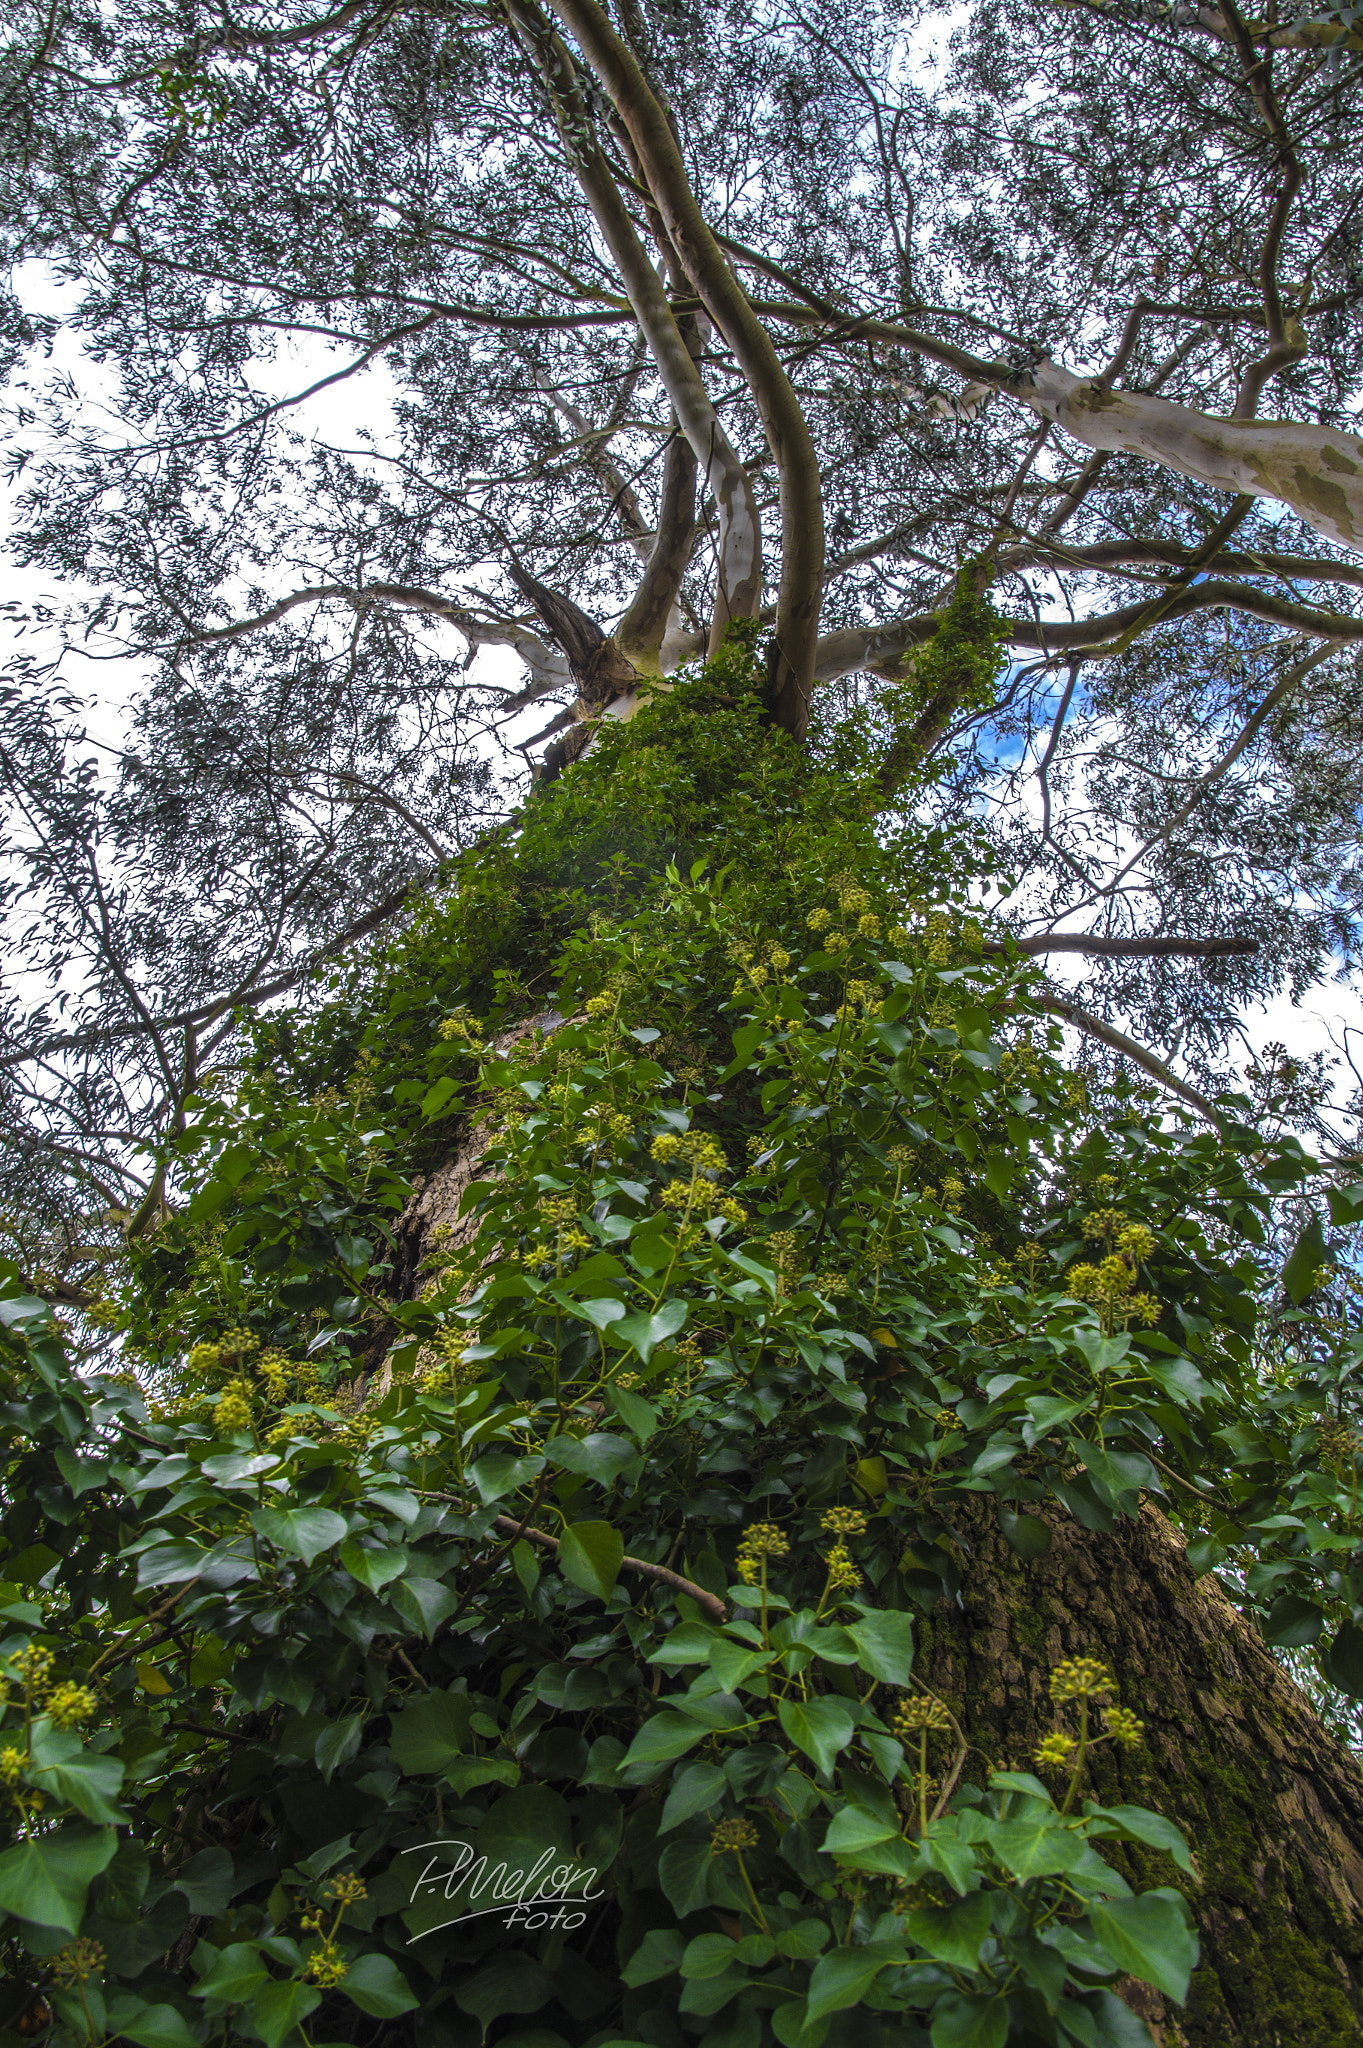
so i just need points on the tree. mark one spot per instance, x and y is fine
(676, 310)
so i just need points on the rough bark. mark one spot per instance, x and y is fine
(431, 1220)
(1233, 1753)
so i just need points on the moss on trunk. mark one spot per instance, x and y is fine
(1233, 1753)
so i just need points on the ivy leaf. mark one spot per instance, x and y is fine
(238, 1468)
(639, 1416)
(1346, 1204)
(708, 1955)
(1304, 1262)
(1151, 1937)
(509, 1983)
(376, 1984)
(695, 1790)
(969, 2022)
(1028, 1535)
(302, 1532)
(1118, 1475)
(663, 1737)
(280, 2006)
(821, 1728)
(1049, 1411)
(644, 1332)
(234, 1976)
(684, 1874)
(844, 1976)
(337, 1744)
(150, 2026)
(1139, 1824)
(124, 1884)
(1342, 1661)
(424, 1602)
(600, 1313)
(1293, 1623)
(658, 1955)
(436, 1097)
(499, 1474)
(853, 1829)
(62, 1764)
(207, 1881)
(426, 1737)
(600, 1456)
(169, 1564)
(953, 1934)
(44, 1881)
(467, 1772)
(373, 1568)
(1036, 1845)
(884, 1643)
(589, 1555)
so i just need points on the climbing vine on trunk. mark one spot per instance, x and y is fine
(528, 1628)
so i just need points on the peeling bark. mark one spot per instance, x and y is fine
(1316, 471)
(1233, 1753)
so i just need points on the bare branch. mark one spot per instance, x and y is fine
(1285, 347)
(788, 435)
(882, 650)
(740, 549)
(1140, 1055)
(548, 669)
(1105, 948)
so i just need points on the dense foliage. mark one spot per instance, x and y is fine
(319, 349)
(596, 1548)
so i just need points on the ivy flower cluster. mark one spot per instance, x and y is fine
(764, 1540)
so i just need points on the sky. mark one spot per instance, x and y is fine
(335, 415)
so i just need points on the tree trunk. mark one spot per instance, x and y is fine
(1271, 1805)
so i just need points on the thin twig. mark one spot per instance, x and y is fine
(125, 1646)
(711, 1602)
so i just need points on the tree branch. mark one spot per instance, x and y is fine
(1102, 947)
(641, 631)
(1119, 554)
(787, 431)
(1315, 470)
(548, 669)
(711, 1603)
(599, 669)
(740, 527)
(1138, 1054)
(882, 650)
(1284, 347)
(245, 997)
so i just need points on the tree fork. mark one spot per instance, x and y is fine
(802, 531)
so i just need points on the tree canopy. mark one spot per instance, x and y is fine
(677, 313)
(607, 1321)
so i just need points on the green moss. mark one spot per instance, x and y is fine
(1281, 1968)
